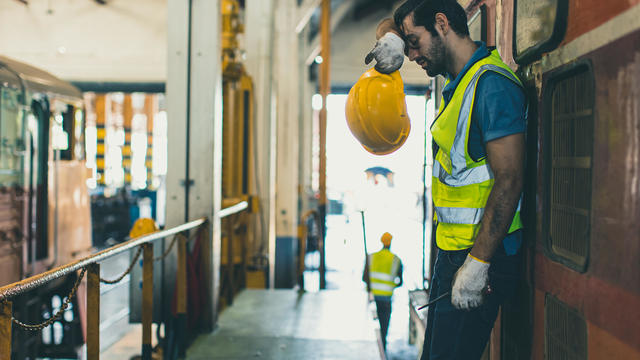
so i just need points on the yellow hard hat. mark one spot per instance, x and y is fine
(143, 226)
(377, 113)
(386, 239)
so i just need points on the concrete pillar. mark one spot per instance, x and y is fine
(286, 70)
(306, 125)
(259, 38)
(194, 110)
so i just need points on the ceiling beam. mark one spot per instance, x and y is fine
(336, 18)
(304, 13)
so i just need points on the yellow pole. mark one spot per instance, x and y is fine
(5, 330)
(325, 88)
(147, 299)
(101, 102)
(93, 311)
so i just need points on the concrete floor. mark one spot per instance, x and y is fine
(280, 324)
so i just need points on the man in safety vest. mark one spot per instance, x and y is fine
(383, 273)
(478, 170)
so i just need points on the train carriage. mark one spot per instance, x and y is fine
(580, 62)
(44, 200)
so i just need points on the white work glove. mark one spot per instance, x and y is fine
(469, 284)
(388, 52)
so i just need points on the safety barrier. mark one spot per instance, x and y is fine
(90, 266)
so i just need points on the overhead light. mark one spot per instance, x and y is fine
(318, 59)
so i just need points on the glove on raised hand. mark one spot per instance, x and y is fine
(468, 284)
(388, 52)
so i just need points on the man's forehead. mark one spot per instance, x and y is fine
(407, 24)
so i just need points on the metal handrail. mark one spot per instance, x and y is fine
(234, 209)
(17, 288)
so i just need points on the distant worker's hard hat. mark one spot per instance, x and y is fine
(386, 239)
(377, 113)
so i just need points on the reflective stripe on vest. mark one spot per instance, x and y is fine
(383, 269)
(461, 186)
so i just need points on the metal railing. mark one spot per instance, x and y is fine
(226, 213)
(91, 266)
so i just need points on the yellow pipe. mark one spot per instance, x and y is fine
(325, 88)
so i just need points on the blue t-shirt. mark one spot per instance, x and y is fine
(499, 110)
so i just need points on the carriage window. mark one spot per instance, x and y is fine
(12, 145)
(565, 331)
(571, 147)
(539, 27)
(78, 134)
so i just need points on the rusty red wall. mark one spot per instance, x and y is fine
(585, 15)
(608, 293)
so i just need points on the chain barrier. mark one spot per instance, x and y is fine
(166, 253)
(63, 308)
(135, 259)
(65, 304)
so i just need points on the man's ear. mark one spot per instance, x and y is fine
(441, 24)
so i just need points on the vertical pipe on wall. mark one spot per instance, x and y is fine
(325, 87)
(181, 298)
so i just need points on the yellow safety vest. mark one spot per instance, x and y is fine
(383, 269)
(461, 186)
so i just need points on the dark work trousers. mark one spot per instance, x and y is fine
(383, 308)
(454, 334)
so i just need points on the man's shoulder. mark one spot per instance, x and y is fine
(492, 81)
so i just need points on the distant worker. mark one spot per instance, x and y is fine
(479, 142)
(383, 273)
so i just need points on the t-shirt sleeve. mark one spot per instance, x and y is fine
(501, 109)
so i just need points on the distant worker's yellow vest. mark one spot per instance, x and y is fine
(461, 186)
(383, 269)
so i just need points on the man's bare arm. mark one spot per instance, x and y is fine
(385, 26)
(506, 158)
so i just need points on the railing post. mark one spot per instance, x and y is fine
(93, 311)
(5, 330)
(147, 299)
(181, 298)
(230, 264)
(207, 270)
(302, 236)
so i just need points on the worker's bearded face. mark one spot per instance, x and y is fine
(432, 58)
(424, 48)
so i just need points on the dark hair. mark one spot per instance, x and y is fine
(424, 14)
